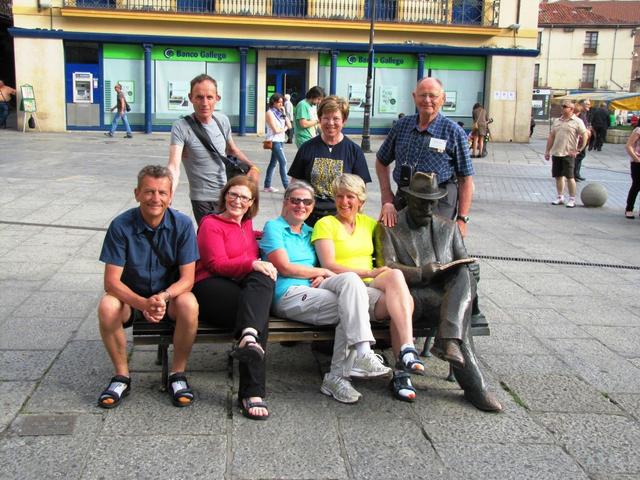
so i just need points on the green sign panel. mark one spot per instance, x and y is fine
(200, 54)
(454, 62)
(177, 53)
(119, 51)
(380, 60)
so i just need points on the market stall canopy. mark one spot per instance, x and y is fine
(614, 101)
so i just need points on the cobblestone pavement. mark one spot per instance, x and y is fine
(558, 286)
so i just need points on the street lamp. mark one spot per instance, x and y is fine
(366, 140)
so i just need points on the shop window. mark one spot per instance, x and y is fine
(81, 52)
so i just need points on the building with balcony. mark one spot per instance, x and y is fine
(73, 51)
(588, 45)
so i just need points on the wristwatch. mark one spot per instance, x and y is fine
(464, 218)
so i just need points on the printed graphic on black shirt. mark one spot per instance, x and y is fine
(324, 171)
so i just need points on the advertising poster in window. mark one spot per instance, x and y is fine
(388, 100)
(178, 96)
(450, 101)
(128, 88)
(357, 93)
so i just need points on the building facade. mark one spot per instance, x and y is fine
(72, 54)
(587, 45)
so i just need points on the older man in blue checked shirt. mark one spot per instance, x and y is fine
(427, 142)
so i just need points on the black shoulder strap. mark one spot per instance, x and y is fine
(148, 234)
(220, 127)
(202, 135)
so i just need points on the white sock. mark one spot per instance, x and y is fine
(407, 357)
(362, 348)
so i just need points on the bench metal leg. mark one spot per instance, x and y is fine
(427, 345)
(163, 350)
(159, 355)
(451, 377)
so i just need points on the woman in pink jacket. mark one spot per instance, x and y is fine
(234, 287)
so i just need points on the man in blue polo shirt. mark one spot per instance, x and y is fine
(427, 142)
(150, 254)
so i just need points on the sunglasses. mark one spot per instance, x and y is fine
(567, 106)
(297, 201)
(236, 196)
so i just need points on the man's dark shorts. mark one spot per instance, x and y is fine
(562, 166)
(137, 316)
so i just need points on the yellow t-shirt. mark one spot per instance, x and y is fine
(351, 251)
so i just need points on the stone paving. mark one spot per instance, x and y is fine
(562, 357)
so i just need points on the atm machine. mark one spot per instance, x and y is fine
(83, 99)
(82, 87)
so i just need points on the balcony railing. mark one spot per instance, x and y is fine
(441, 12)
(590, 50)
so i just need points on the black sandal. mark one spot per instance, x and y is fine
(249, 406)
(412, 366)
(118, 388)
(402, 381)
(178, 388)
(251, 352)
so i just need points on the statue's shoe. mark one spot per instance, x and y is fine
(483, 400)
(448, 349)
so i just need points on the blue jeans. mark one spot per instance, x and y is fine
(277, 155)
(4, 113)
(114, 124)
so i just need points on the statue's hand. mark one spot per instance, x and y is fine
(429, 270)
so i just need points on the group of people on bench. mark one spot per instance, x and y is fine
(157, 269)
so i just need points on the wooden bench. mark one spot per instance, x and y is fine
(161, 334)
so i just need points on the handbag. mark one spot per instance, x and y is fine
(31, 122)
(127, 106)
(267, 144)
(233, 166)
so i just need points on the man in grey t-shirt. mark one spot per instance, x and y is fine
(206, 175)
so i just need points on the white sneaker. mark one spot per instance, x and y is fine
(271, 190)
(571, 203)
(339, 388)
(559, 200)
(370, 365)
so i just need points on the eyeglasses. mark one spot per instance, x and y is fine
(567, 106)
(430, 96)
(236, 196)
(297, 201)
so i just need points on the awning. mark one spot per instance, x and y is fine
(614, 101)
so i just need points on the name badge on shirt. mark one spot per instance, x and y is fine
(437, 144)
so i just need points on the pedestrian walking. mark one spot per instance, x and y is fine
(121, 108)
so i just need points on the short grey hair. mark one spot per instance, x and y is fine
(299, 185)
(155, 171)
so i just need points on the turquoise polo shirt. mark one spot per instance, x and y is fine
(277, 234)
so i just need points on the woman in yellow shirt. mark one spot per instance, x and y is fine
(344, 243)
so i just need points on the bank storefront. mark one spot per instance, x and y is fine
(394, 78)
(156, 82)
(168, 70)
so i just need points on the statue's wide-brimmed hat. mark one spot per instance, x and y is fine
(425, 186)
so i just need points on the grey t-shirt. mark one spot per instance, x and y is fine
(206, 175)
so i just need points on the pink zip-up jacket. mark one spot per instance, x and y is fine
(226, 248)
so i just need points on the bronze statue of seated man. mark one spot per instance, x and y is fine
(423, 245)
